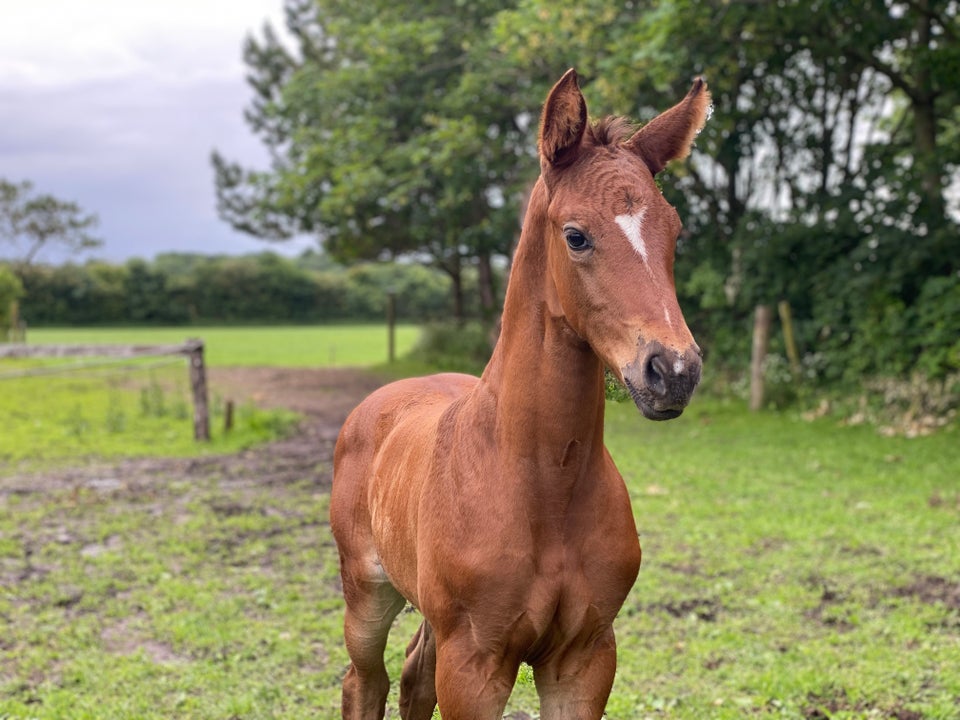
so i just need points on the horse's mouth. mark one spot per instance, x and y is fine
(649, 409)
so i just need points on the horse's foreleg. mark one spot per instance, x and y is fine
(473, 684)
(576, 685)
(372, 604)
(418, 690)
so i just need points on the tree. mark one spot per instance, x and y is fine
(822, 177)
(384, 140)
(825, 166)
(34, 221)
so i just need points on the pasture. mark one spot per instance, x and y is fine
(792, 569)
(124, 408)
(279, 346)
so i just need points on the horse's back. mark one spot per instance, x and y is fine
(391, 428)
(367, 427)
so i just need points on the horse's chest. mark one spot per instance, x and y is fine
(587, 586)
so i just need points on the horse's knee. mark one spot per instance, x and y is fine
(578, 684)
(472, 683)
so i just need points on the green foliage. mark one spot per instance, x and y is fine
(938, 321)
(614, 389)
(11, 290)
(820, 179)
(387, 135)
(190, 289)
(449, 347)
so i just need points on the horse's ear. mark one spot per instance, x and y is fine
(563, 122)
(670, 134)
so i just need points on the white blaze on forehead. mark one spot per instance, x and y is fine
(631, 225)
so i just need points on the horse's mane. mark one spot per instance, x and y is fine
(608, 131)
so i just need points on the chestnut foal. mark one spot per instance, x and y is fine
(491, 503)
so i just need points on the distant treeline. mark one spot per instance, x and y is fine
(180, 288)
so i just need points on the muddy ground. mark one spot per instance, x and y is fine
(324, 397)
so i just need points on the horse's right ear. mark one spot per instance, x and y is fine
(562, 123)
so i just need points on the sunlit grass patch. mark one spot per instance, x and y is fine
(123, 412)
(280, 345)
(109, 407)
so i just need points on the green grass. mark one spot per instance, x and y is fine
(791, 569)
(789, 564)
(111, 411)
(281, 346)
(56, 419)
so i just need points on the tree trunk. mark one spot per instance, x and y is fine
(454, 271)
(925, 128)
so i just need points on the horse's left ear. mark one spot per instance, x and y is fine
(670, 134)
(562, 123)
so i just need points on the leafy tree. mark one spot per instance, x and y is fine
(34, 221)
(823, 172)
(385, 140)
(822, 177)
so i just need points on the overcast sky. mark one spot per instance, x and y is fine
(117, 104)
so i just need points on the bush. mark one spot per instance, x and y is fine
(454, 348)
(11, 290)
(938, 320)
(179, 288)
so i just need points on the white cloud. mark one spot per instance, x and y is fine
(117, 104)
(57, 42)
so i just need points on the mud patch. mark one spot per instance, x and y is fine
(932, 590)
(324, 397)
(124, 639)
(839, 704)
(830, 611)
(705, 609)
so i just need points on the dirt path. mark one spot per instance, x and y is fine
(323, 396)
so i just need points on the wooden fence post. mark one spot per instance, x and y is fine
(761, 338)
(228, 416)
(193, 349)
(789, 340)
(198, 383)
(391, 325)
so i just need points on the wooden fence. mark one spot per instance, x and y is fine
(192, 348)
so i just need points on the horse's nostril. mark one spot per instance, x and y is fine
(655, 372)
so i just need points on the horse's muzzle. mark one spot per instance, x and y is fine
(661, 381)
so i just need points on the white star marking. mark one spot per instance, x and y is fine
(631, 224)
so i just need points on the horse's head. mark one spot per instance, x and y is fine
(611, 237)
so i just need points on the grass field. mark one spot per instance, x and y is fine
(792, 569)
(111, 411)
(281, 346)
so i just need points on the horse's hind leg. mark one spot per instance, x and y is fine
(372, 604)
(418, 690)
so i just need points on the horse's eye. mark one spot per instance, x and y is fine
(576, 240)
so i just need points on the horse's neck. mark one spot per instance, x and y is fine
(547, 382)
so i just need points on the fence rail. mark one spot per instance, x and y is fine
(192, 349)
